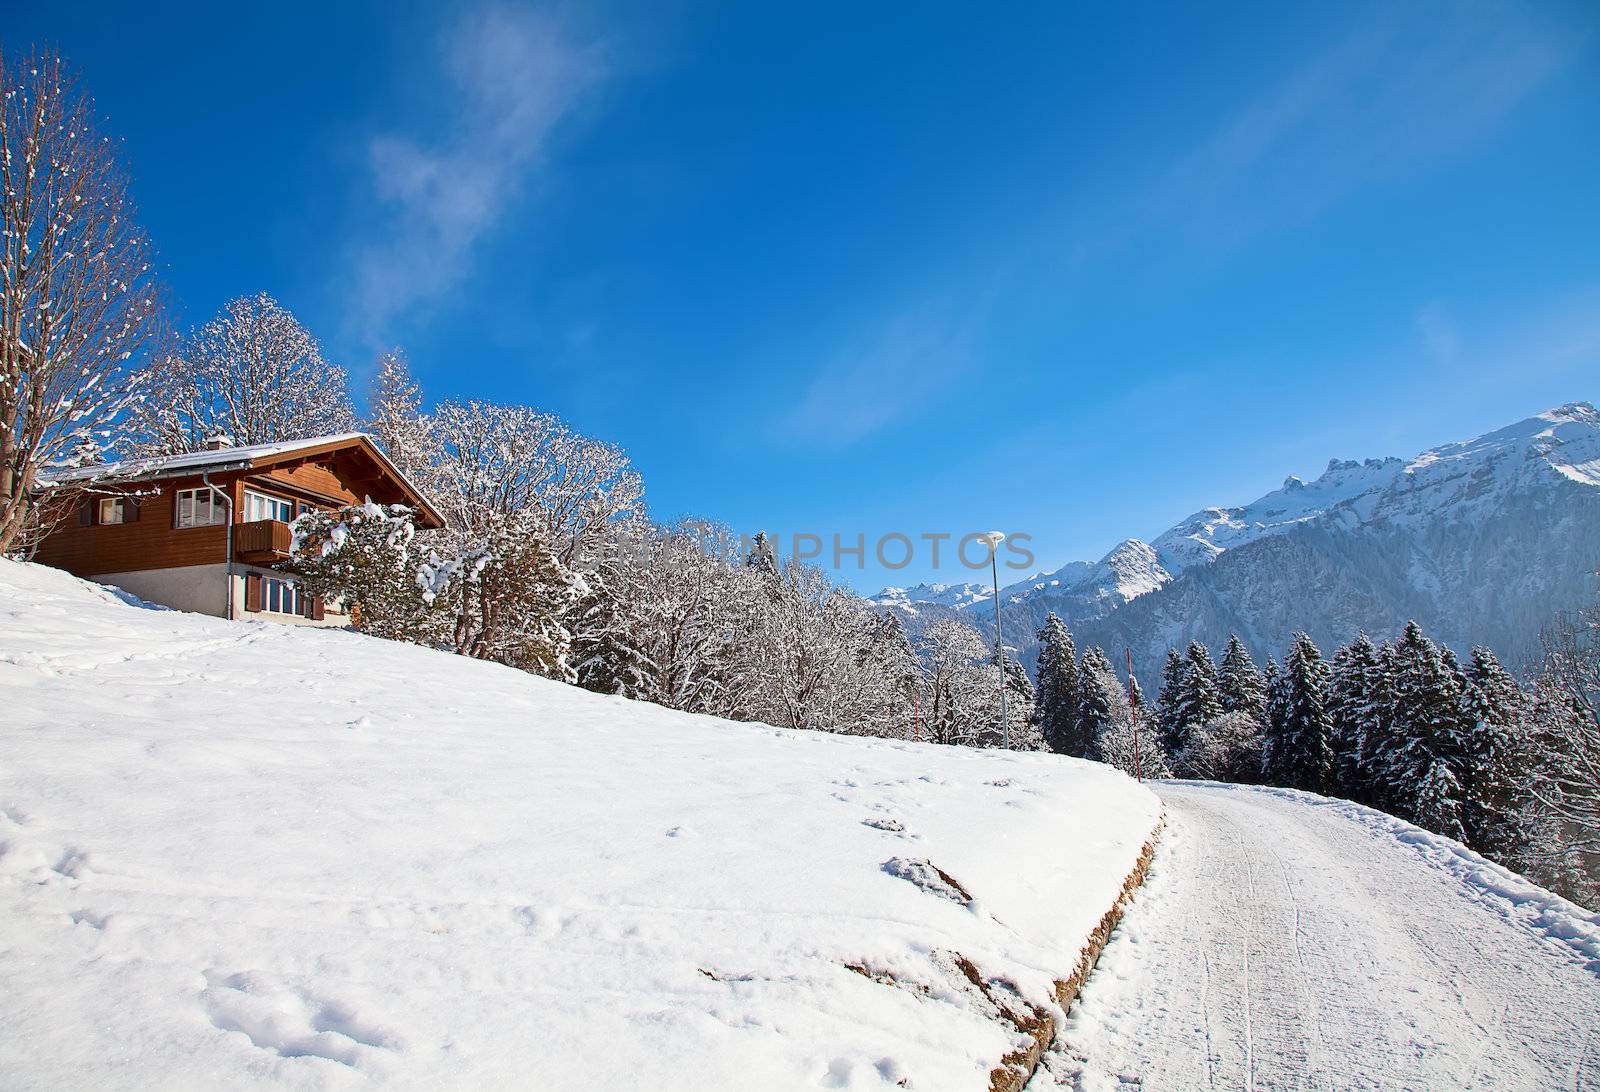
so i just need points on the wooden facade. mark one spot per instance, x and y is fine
(152, 541)
(130, 523)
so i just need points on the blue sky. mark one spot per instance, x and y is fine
(864, 268)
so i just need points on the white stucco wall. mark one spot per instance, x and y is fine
(197, 588)
(200, 588)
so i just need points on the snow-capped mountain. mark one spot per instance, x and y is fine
(1205, 535)
(936, 595)
(1480, 540)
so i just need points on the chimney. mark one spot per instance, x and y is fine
(219, 442)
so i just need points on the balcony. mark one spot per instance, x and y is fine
(263, 542)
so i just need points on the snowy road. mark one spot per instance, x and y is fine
(1285, 941)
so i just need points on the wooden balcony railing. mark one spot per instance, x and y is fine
(262, 542)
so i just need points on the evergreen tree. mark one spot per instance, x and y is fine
(1117, 740)
(1100, 697)
(1351, 712)
(1019, 707)
(1439, 801)
(1170, 697)
(1427, 755)
(1498, 755)
(1057, 701)
(1382, 740)
(762, 557)
(1239, 682)
(1198, 698)
(1272, 675)
(1202, 693)
(1297, 751)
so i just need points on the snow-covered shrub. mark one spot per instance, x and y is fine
(506, 596)
(1224, 748)
(1135, 750)
(363, 557)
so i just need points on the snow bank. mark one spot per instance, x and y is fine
(252, 855)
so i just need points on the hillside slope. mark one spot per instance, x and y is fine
(246, 855)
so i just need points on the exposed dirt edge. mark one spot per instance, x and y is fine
(1017, 1068)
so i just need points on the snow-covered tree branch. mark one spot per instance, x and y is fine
(253, 374)
(79, 302)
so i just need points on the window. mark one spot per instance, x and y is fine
(116, 510)
(258, 506)
(266, 593)
(199, 508)
(280, 596)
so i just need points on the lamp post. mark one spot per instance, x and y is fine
(994, 539)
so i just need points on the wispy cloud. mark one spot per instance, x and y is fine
(890, 375)
(1440, 336)
(512, 76)
(1559, 341)
(1397, 95)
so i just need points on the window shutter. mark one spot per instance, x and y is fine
(318, 609)
(130, 510)
(252, 591)
(86, 513)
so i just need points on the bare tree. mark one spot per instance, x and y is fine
(396, 419)
(79, 301)
(254, 374)
(1565, 779)
(953, 655)
(496, 460)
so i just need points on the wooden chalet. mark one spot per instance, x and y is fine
(205, 531)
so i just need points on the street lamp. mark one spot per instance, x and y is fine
(994, 539)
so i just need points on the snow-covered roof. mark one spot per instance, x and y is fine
(161, 466)
(226, 458)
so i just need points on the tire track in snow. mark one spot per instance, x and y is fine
(1249, 994)
(1360, 967)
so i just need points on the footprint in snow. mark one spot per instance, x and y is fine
(288, 1022)
(842, 1073)
(92, 918)
(884, 822)
(73, 864)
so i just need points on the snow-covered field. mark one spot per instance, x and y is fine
(247, 855)
(1285, 940)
